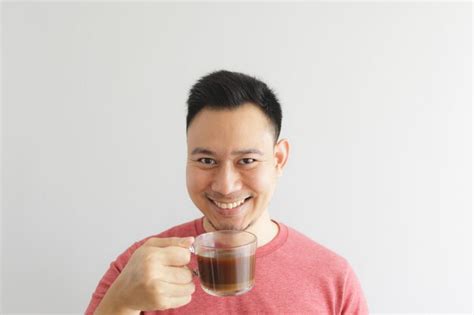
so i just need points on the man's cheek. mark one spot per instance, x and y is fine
(263, 180)
(196, 180)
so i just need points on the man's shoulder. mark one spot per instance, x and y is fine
(327, 269)
(312, 250)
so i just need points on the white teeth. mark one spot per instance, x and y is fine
(229, 205)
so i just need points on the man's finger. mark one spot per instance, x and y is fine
(176, 275)
(185, 242)
(171, 302)
(179, 301)
(176, 290)
(173, 256)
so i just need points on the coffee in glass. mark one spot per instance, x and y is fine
(226, 261)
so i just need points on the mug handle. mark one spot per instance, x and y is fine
(195, 272)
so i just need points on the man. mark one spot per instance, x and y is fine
(234, 160)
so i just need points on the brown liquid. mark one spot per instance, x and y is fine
(227, 275)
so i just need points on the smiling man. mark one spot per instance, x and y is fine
(235, 157)
(233, 165)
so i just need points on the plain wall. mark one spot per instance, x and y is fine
(377, 106)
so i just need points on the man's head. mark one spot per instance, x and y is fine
(234, 156)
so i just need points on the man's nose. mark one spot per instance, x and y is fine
(226, 180)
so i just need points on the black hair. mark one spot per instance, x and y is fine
(228, 90)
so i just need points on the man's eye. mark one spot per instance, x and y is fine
(207, 161)
(247, 161)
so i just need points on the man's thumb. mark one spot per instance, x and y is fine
(170, 241)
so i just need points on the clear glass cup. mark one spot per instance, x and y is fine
(226, 261)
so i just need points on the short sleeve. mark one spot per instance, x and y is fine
(353, 301)
(109, 277)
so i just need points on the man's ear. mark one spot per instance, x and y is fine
(282, 149)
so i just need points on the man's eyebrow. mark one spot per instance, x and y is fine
(200, 150)
(247, 151)
(205, 151)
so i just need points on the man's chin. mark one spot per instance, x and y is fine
(234, 226)
(230, 227)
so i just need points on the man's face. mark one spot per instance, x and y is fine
(232, 165)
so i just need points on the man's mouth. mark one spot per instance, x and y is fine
(229, 208)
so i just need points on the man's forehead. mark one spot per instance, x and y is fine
(244, 130)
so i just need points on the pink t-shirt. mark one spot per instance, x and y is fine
(294, 275)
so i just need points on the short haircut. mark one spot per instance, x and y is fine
(229, 90)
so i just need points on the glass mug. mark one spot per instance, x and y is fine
(226, 261)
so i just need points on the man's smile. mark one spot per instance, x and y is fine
(229, 208)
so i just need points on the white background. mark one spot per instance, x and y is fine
(377, 107)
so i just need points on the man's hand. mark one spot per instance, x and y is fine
(155, 278)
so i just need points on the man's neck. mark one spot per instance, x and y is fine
(264, 228)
